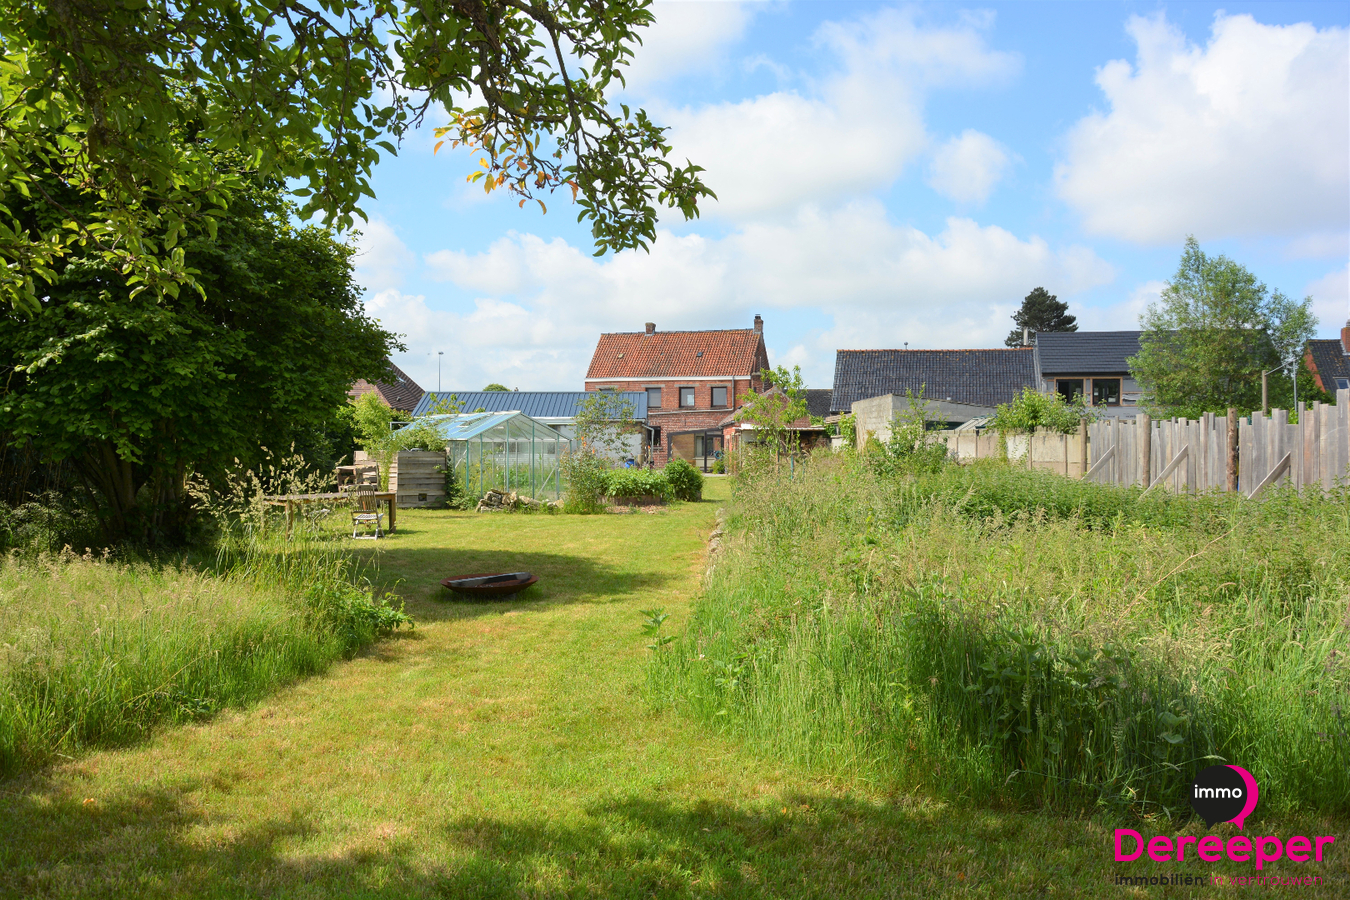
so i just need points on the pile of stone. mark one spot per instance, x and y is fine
(507, 501)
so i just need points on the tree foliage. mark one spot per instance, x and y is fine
(604, 420)
(1032, 410)
(133, 103)
(496, 387)
(376, 426)
(1040, 311)
(1212, 333)
(773, 410)
(911, 447)
(134, 389)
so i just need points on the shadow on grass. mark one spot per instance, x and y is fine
(415, 574)
(160, 842)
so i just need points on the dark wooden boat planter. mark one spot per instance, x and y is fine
(490, 585)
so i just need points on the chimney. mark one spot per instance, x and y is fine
(1026, 336)
(1345, 338)
(759, 325)
(651, 328)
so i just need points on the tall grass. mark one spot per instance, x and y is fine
(96, 652)
(991, 632)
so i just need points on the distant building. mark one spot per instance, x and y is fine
(1091, 364)
(399, 391)
(973, 378)
(1329, 362)
(692, 380)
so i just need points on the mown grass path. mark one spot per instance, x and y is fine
(505, 750)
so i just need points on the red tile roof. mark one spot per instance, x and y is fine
(674, 354)
(402, 393)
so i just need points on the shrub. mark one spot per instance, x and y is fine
(48, 523)
(685, 480)
(584, 472)
(638, 483)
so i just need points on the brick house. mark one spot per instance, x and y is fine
(692, 380)
(736, 431)
(1329, 362)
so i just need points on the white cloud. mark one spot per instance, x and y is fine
(1246, 136)
(382, 259)
(1122, 316)
(882, 283)
(1320, 245)
(850, 131)
(967, 167)
(687, 37)
(1331, 301)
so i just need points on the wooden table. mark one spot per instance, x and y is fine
(291, 501)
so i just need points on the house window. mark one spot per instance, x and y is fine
(686, 396)
(1069, 388)
(1106, 392)
(1342, 383)
(653, 398)
(719, 396)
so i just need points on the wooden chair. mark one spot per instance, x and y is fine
(367, 511)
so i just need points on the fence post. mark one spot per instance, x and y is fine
(1231, 467)
(1145, 422)
(1082, 447)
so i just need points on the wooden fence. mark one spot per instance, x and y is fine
(1186, 455)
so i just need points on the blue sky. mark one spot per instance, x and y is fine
(892, 175)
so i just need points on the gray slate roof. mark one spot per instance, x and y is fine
(978, 377)
(535, 404)
(1331, 361)
(1086, 352)
(818, 402)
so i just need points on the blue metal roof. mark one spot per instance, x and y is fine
(535, 404)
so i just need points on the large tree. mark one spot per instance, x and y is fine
(1040, 311)
(135, 388)
(1213, 331)
(96, 93)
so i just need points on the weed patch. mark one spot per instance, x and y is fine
(991, 632)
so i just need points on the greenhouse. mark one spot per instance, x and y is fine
(506, 451)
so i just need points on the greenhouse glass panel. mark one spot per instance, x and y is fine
(504, 451)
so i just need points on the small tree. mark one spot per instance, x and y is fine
(603, 423)
(1032, 410)
(1041, 311)
(910, 449)
(373, 421)
(1212, 333)
(773, 410)
(496, 387)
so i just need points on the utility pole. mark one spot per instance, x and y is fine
(439, 354)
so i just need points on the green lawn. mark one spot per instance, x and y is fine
(506, 750)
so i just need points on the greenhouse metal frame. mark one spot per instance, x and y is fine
(506, 451)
